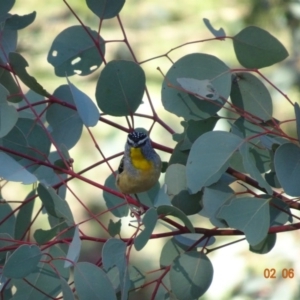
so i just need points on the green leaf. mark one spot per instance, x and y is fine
(250, 168)
(214, 197)
(147, 198)
(287, 167)
(13, 171)
(16, 142)
(135, 278)
(22, 261)
(112, 201)
(65, 123)
(43, 236)
(55, 205)
(256, 48)
(162, 198)
(175, 180)
(32, 97)
(8, 226)
(272, 180)
(280, 212)
(86, 108)
(16, 22)
(45, 279)
(38, 143)
(173, 211)
(91, 282)
(8, 40)
(179, 156)
(8, 118)
(114, 254)
(105, 9)
(6, 6)
(217, 33)
(19, 65)
(49, 177)
(120, 88)
(199, 88)
(259, 151)
(209, 158)
(149, 221)
(264, 246)
(114, 228)
(9, 83)
(69, 55)
(250, 215)
(6, 240)
(250, 95)
(170, 251)
(297, 114)
(66, 290)
(74, 249)
(194, 129)
(191, 275)
(185, 105)
(190, 239)
(23, 219)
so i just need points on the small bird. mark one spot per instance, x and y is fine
(140, 166)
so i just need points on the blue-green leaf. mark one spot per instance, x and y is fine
(190, 239)
(297, 114)
(177, 190)
(250, 215)
(257, 48)
(22, 261)
(114, 254)
(185, 105)
(199, 88)
(173, 211)
(74, 249)
(217, 33)
(149, 221)
(16, 22)
(13, 171)
(114, 228)
(19, 65)
(8, 118)
(55, 205)
(66, 290)
(250, 95)
(191, 275)
(44, 279)
(86, 108)
(265, 245)
(8, 226)
(42, 236)
(65, 123)
(120, 88)
(209, 158)
(250, 168)
(80, 55)
(23, 219)
(91, 282)
(105, 9)
(114, 201)
(214, 197)
(8, 40)
(287, 167)
(6, 6)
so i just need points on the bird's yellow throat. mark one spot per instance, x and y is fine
(138, 160)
